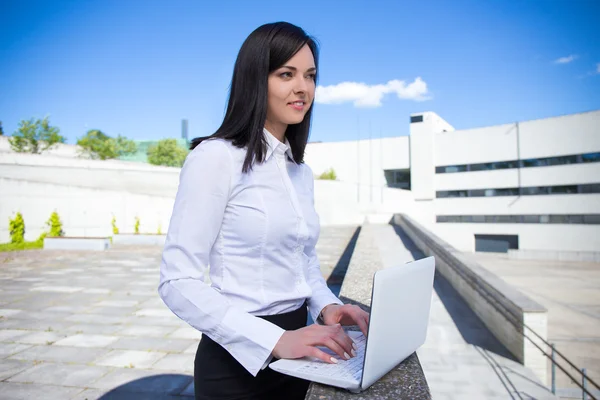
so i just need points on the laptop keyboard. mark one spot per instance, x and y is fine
(344, 369)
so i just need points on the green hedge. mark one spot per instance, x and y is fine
(38, 244)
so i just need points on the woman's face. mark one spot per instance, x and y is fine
(291, 91)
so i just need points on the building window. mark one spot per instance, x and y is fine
(398, 178)
(533, 162)
(591, 219)
(416, 118)
(590, 157)
(524, 191)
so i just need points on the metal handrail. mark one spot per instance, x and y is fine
(513, 319)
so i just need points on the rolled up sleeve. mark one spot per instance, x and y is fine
(202, 196)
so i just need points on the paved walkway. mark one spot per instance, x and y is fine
(85, 325)
(571, 292)
(460, 358)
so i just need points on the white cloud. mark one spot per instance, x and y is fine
(363, 95)
(566, 60)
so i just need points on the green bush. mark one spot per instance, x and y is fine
(22, 246)
(137, 225)
(167, 152)
(114, 225)
(328, 175)
(159, 231)
(17, 229)
(55, 225)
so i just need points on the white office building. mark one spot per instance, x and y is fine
(532, 185)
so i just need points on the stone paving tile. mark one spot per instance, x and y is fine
(113, 311)
(35, 325)
(130, 358)
(80, 355)
(117, 303)
(7, 312)
(67, 375)
(176, 362)
(40, 338)
(95, 319)
(10, 368)
(93, 329)
(9, 349)
(135, 380)
(192, 349)
(85, 340)
(152, 344)
(9, 335)
(154, 312)
(40, 316)
(28, 391)
(186, 333)
(146, 331)
(153, 321)
(57, 289)
(67, 309)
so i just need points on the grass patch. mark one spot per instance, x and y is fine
(21, 246)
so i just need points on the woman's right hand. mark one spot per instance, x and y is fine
(303, 342)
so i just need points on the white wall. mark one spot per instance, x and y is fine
(422, 153)
(362, 161)
(83, 211)
(543, 237)
(571, 174)
(566, 135)
(59, 150)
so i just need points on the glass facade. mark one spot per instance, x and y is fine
(398, 178)
(588, 219)
(524, 191)
(533, 162)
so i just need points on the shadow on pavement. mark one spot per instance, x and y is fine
(155, 387)
(469, 325)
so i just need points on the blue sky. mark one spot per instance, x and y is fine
(137, 68)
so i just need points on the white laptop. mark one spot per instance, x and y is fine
(400, 305)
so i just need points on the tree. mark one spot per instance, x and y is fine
(1, 130)
(16, 228)
(35, 136)
(167, 152)
(55, 225)
(99, 145)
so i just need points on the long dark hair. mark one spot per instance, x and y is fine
(268, 48)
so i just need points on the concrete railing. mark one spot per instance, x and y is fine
(407, 380)
(507, 313)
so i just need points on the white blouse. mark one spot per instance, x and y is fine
(258, 233)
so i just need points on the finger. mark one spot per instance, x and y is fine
(342, 338)
(321, 355)
(334, 346)
(363, 324)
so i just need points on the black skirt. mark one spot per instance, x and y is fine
(217, 375)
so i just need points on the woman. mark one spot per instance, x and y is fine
(245, 206)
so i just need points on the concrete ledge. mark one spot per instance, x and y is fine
(589, 256)
(140, 239)
(76, 243)
(485, 293)
(407, 380)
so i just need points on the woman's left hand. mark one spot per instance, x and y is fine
(346, 314)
